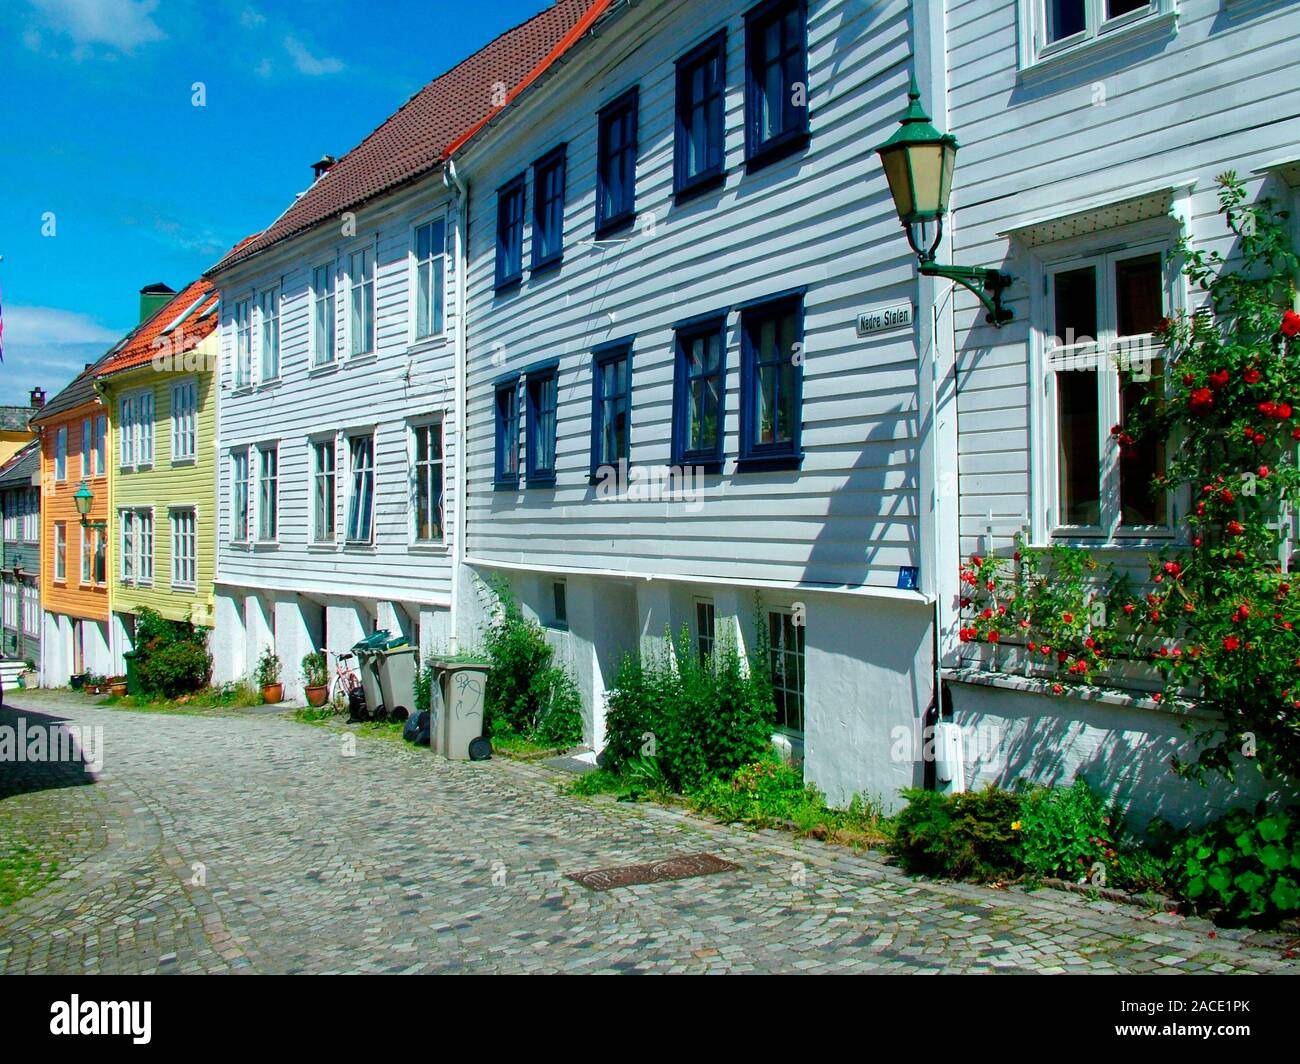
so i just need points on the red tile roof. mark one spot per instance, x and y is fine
(438, 119)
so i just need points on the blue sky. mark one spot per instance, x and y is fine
(105, 151)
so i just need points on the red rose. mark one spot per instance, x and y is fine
(1226, 495)
(1128, 608)
(1268, 409)
(1235, 528)
(1068, 618)
(1057, 688)
(987, 614)
(1290, 323)
(1201, 401)
(1232, 643)
(1251, 376)
(1284, 410)
(993, 636)
(1219, 378)
(1264, 471)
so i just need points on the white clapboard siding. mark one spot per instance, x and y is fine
(849, 516)
(399, 383)
(1218, 89)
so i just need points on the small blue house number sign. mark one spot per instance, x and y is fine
(884, 319)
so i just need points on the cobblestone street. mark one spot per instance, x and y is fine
(250, 843)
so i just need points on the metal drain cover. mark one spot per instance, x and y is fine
(695, 864)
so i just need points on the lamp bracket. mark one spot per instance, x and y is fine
(987, 284)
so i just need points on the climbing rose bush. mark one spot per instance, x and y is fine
(1216, 622)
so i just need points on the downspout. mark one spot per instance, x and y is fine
(451, 179)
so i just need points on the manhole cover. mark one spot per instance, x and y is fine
(695, 864)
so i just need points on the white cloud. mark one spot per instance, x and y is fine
(308, 64)
(48, 346)
(39, 326)
(264, 68)
(123, 25)
(251, 18)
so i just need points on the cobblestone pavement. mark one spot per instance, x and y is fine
(393, 860)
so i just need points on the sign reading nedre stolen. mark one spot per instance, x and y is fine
(883, 319)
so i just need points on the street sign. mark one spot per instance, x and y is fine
(884, 319)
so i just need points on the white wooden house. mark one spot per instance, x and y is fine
(1091, 134)
(338, 436)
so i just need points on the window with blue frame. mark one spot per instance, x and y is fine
(543, 396)
(616, 164)
(611, 406)
(776, 81)
(548, 208)
(698, 157)
(510, 232)
(699, 390)
(507, 433)
(771, 383)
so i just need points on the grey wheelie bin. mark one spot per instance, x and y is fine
(368, 652)
(456, 716)
(396, 663)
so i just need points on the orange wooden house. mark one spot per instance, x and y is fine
(75, 631)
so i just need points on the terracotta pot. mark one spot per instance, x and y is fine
(272, 693)
(118, 689)
(316, 695)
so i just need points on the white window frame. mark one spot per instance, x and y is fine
(135, 411)
(268, 333)
(349, 538)
(100, 444)
(84, 555)
(185, 421)
(136, 524)
(180, 537)
(31, 596)
(329, 300)
(86, 433)
(263, 452)
(318, 475)
(61, 453)
(10, 586)
(242, 348)
(32, 517)
(1035, 49)
(437, 265)
(703, 601)
(363, 286)
(61, 552)
(238, 535)
(1103, 249)
(802, 656)
(414, 430)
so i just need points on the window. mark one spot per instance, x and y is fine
(135, 429)
(1102, 358)
(705, 630)
(324, 476)
(776, 80)
(698, 145)
(239, 492)
(243, 344)
(86, 553)
(269, 314)
(361, 498)
(12, 512)
(32, 516)
(322, 335)
(616, 164)
(785, 634)
(543, 396)
(510, 232)
(361, 302)
(560, 603)
(771, 383)
(1057, 25)
(430, 262)
(268, 493)
(99, 544)
(611, 405)
(428, 483)
(61, 454)
(548, 209)
(184, 527)
(31, 610)
(11, 602)
(137, 546)
(699, 389)
(185, 403)
(86, 448)
(507, 433)
(60, 550)
(100, 444)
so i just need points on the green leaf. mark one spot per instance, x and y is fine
(1274, 857)
(1272, 828)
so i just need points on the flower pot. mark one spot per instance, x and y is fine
(118, 689)
(78, 681)
(316, 695)
(272, 693)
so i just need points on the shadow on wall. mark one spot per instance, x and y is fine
(1123, 752)
(43, 752)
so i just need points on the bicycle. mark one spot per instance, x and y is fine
(345, 689)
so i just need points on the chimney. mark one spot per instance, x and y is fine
(152, 298)
(37, 396)
(323, 165)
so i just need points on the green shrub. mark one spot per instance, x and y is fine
(315, 673)
(425, 676)
(1066, 831)
(1245, 864)
(268, 667)
(700, 721)
(959, 836)
(526, 694)
(171, 657)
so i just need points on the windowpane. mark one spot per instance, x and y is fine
(1076, 306)
(786, 639)
(428, 483)
(1065, 18)
(700, 369)
(1115, 8)
(510, 232)
(1080, 465)
(776, 64)
(361, 301)
(1138, 465)
(507, 432)
(700, 114)
(1139, 295)
(323, 520)
(616, 174)
(361, 499)
(268, 481)
(542, 398)
(429, 240)
(771, 409)
(270, 313)
(323, 318)
(243, 343)
(548, 209)
(613, 407)
(704, 631)
(239, 480)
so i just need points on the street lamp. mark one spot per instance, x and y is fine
(85, 498)
(919, 162)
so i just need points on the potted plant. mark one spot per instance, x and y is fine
(94, 683)
(116, 685)
(315, 678)
(268, 676)
(78, 681)
(28, 677)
